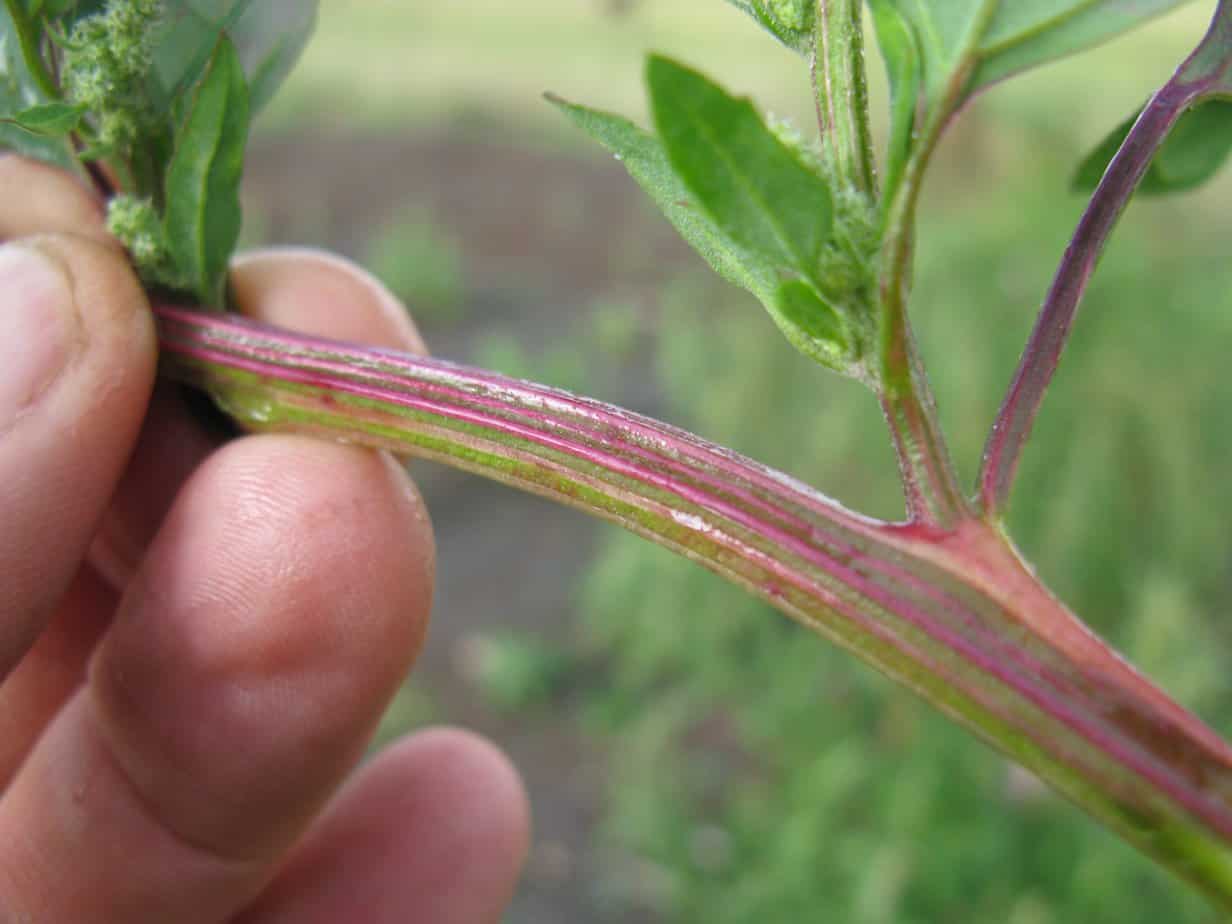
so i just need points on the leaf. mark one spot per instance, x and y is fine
(789, 21)
(643, 156)
(1194, 151)
(902, 60)
(996, 39)
(50, 119)
(202, 183)
(54, 9)
(1211, 62)
(814, 327)
(754, 187)
(18, 93)
(270, 39)
(269, 36)
(808, 324)
(1023, 35)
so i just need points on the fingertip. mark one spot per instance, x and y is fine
(39, 198)
(489, 806)
(436, 827)
(320, 293)
(70, 422)
(277, 609)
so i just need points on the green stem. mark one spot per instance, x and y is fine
(28, 39)
(840, 87)
(929, 478)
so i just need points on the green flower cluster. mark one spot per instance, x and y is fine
(106, 67)
(135, 222)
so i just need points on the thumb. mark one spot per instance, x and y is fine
(76, 366)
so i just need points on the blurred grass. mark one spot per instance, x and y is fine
(762, 775)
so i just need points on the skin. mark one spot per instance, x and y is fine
(198, 635)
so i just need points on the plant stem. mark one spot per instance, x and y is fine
(27, 37)
(955, 616)
(840, 87)
(907, 400)
(1016, 416)
(929, 480)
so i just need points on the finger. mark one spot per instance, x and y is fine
(277, 609)
(52, 670)
(299, 288)
(304, 290)
(41, 199)
(76, 365)
(319, 293)
(435, 829)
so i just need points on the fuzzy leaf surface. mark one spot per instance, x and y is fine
(756, 189)
(203, 178)
(789, 21)
(645, 159)
(806, 321)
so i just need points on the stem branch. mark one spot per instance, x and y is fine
(1197, 78)
(840, 87)
(929, 480)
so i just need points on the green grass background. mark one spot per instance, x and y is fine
(762, 776)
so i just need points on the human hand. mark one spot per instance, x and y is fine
(196, 639)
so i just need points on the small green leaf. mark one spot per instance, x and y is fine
(902, 60)
(754, 187)
(813, 327)
(643, 156)
(790, 21)
(54, 120)
(203, 178)
(805, 319)
(1194, 151)
(18, 92)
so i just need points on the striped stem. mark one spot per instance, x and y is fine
(953, 614)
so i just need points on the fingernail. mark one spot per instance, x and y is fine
(37, 325)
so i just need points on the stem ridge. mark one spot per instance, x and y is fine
(950, 613)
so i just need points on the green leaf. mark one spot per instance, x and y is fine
(902, 60)
(996, 39)
(807, 323)
(643, 156)
(1194, 151)
(19, 93)
(50, 119)
(790, 21)
(813, 327)
(1023, 35)
(202, 183)
(755, 188)
(269, 36)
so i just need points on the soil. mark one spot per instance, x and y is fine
(542, 234)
